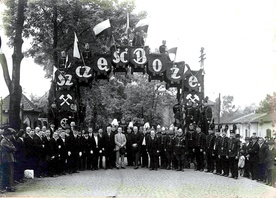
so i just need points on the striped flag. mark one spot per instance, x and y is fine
(76, 52)
(103, 28)
(142, 25)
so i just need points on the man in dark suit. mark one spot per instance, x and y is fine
(136, 141)
(109, 145)
(222, 153)
(233, 154)
(179, 149)
(20, 157)
(245, 148)
(263, 155)
(129, 147)
(7, 159)
(215, 152)
(31, 150)
(210, 141)
(95, 141)
(62, 152)
(40, 154)
(53, 154)
(253, 156)
(153, 148)
(200, 148)
(52, 129)
(191, 141)
(168, 148)
(143, 150)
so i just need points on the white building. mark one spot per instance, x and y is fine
(263, 124)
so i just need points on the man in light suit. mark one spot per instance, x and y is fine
(120, 145)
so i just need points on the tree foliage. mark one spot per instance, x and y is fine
(135, 101)
(268, 104)
(14, 24)
(51, 25)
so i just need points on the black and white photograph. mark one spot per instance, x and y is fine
(138, 98)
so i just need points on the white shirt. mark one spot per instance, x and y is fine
(96, 140)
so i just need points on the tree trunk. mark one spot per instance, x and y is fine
(13, 85)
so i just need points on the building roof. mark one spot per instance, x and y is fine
(268, 117)
(250, 118)
(27, 104)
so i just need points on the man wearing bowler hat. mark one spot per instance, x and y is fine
(7, 158)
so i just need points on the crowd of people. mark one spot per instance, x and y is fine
(53, 152)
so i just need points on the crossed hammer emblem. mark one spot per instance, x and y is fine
(65, 100)
(192, 98)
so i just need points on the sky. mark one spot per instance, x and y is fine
(239, 38)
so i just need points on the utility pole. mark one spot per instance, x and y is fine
(201, 60)
(219, 110)
(1, 107)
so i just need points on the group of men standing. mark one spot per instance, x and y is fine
(51, 152)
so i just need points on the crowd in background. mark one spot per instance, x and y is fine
(53, 152)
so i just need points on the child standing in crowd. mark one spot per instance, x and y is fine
(241, 163)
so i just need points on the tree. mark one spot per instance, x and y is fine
(14, 20)
(227, 107)
(250, 109)
(268, 104)
(40, 103)
(51, 25)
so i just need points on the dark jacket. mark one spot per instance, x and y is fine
(210, 141)
(153, 145)
(8, 150)
(254, 152)
(223, 146)
(263, 153)
(233, 147)
(108, 142)
(136, 139)
(201, 141)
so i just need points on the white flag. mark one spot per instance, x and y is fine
(76, 52)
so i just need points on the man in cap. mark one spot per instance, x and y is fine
(253, 155)
(179, 146)
(191, 140)
(222, 153)
(8, 150)
(200, 148)
(210, 141)
(215, 152)
(233, 154)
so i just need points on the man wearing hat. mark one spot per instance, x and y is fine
(215, 151)
(191, 139)
(263, 155)
(271, 164)
(210, 141)
(253, 155)
(200, 148)
(222, 153)
(7, 159)
(245, 148)
(233, 154)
